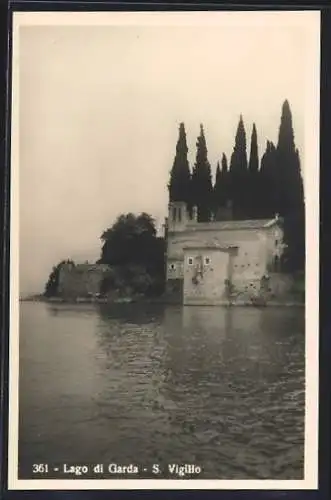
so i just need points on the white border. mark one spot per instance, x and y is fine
(310, 21)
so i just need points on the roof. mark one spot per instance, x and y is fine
(210, 246)
(233, 224)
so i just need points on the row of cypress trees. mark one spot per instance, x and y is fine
(254, 189)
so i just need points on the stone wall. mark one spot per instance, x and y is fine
(175, 269)
(205, 274)
(249, 261)
(273, 286)
(81, 280)
(256, 253)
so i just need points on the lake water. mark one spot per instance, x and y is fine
(221, 388)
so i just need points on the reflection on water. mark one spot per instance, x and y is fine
(222, 388)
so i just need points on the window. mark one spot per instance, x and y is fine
(207, 261)
(179, 215)
(172, 267)
(190, 261)
(276, 242)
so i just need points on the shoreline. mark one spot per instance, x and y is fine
(160, 301)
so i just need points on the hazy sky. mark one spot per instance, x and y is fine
(99, 108)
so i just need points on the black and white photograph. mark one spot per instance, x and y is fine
(164, 250)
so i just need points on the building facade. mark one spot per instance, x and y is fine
(210, 263)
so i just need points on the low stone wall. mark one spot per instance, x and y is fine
(280, 283)
(81, 280)
(277, 287)
(249, 287)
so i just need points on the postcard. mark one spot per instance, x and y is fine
(164, 268)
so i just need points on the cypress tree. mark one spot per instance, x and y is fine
(224, 164)
(238, 173)
(290, 180)
(294, 233)
(218, 173)
(291, 193)
(202, 188)
(252, 184)
(217, 187)
(221, 194)
(253, 165)
(268, 199)
(180, 177)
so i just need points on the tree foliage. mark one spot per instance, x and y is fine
(276, 187)
(239, 173)
(51, 287)
(291, 192)
(253, 191)
(202, 187)
(294, 239)
(268, 198)
(280, 187)
(131, 246)
(290, 181)
(180, 177)
(221, 187)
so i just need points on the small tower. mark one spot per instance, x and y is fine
(178, 216)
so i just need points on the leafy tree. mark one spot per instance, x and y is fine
(239, 173)
(132, 247)
(202, 188)
(52, 285)
(180, 177)
(108, 282)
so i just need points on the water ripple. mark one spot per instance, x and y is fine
(222, 388)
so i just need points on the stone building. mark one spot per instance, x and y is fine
(220, 261)
(81, 280)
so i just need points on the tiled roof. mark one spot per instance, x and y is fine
(232, 224)
(211, 245)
